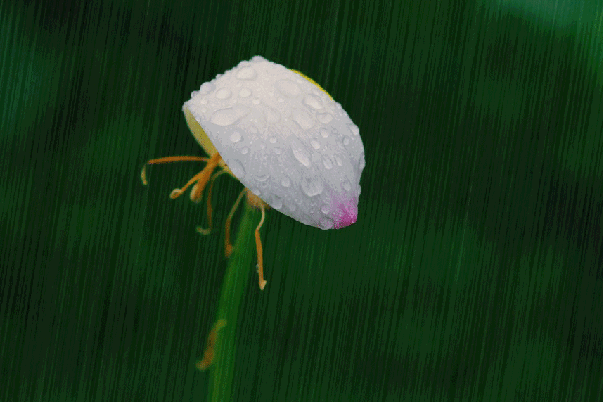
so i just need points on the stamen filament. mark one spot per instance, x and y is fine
(227, 245)
(209, 207)
(168, 159)
(258, 244)
(202, 177)
(208, 355)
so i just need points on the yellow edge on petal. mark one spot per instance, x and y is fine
(202, 138)
(313, 82)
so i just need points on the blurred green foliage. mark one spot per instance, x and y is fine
(474, 272)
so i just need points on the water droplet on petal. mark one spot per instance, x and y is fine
(346, 185)
(206, 88)
(303, 119)
(235, 137)
(313, 102)
(361, 162)
(277, 203)
(346, 140)
(272, 140)
(227, 117)
(338, 160)
(285, 182)
(246, 73)
(324, 133)
(326, 161)
(244, 150)
(255, 101)
(245, 93)
(325, 118)
(288, 88)
(326, 223)
(325, 209)
(237, 168)
(355, 129)
(300, 152)
(278, 151)
(223, 93)
(262, 177)
(312, 186)
(315, 144)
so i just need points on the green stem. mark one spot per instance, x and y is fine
(237, 276)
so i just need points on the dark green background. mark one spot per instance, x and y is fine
(474, 272)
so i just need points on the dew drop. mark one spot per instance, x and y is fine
(361, 162)
(325, 118)
(237, 168)
(272, 140)
(285, 182)
(312, 186)
(278, 151)
(300, 153)
(255, 101)
(223, 93)
(303, 119)
(206, 88)
(326, 224)
(315, 144)
(354, 129)
(246, 73)
(244, 150)
(272, 115)
(226, 117)
(277, 203)
(346, 185)
(346, 141)
(235, 137)
(324, 133)
(326, 161)
(288, 88)
(325, 209)
(291, 207)
(313, 102)
(262, 177)
(338, 160)
(244, 93)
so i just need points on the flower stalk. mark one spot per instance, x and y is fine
(233, 289)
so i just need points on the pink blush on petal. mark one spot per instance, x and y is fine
(344, 211)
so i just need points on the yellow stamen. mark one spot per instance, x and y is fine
(143, 173)
(258, 245)
(200, 179)
(209, 207)
(227, 245)
(208, 355)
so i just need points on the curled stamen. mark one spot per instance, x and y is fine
(208, 355)
(209, 207)
(258, 244)
(143, 175)
(227, 245)
(200, 178)
(175, 193)
(168, 159)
